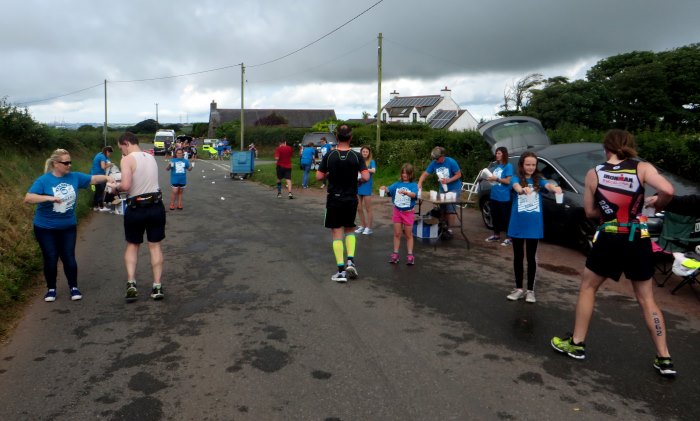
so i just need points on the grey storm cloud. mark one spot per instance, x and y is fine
(53, 48)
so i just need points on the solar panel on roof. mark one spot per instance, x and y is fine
(413, 102)
(442, 118)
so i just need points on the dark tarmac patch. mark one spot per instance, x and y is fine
(568, 399)
(505, 416)
(268, 359)
(321, 375)
(10, 358)
(564, 270)
(59, 311)
(106, 399)
(69, 351)
(144, 409)
(146, 383)
(605, 409)
(39, 358)
(275, 333)
(531, 378)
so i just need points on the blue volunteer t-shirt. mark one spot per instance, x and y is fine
(526, 212)
(401, 201)
(178, 171)
(58, 215)
(447, 169)
(96, 168)
(365, 189)
(307, 155)
(501, 192)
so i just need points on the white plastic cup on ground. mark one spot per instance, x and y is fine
(442, 197)
(433, 195)
(559, 197)
(382, 192)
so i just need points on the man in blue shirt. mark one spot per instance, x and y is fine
(449, 177)
(100, 164)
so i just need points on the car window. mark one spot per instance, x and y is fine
(577, 165)
(550, 173)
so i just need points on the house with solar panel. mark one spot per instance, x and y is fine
(438, 111)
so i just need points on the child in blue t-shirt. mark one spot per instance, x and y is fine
(403, 194)
(526, 224)
(178, 177)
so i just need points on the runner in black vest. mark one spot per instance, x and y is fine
(341, 167)
(614, 193)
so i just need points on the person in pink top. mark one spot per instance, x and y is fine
(283, 159)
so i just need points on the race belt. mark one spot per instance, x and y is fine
(145, 199)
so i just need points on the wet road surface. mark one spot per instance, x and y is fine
(252, 328)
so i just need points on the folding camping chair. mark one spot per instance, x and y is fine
(678, 234)
(472, 189)
(687, 267)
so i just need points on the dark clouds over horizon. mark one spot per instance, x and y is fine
(474, 47)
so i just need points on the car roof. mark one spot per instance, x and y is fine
(315, 137)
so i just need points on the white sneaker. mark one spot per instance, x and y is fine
(359, 229)
(530, 297)
(367, 231)
(340, 277)
(516, 294)
(351, 270)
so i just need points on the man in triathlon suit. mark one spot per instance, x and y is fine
(340, 167)
(614, 193)
(144, 213)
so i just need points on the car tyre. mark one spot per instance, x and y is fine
(486, 214)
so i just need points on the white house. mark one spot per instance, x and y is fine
(438, 111)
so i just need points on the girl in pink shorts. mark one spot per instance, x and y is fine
(403, 195)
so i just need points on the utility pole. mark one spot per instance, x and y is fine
(157, 114)
(242, 103)
(379, 91)
(104, 129)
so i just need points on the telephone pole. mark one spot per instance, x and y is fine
(379, 91)
(104, 129)
(242, 103)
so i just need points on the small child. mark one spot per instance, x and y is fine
(526, 223)
(178, 177)
(404, 195)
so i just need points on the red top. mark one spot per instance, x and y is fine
(283, 155)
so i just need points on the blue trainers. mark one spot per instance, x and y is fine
(50, 295)
(75, 294)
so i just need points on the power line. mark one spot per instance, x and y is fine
(319, 39)
(58, 96)
(218, 68)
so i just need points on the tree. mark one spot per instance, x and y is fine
(519, 94)
(145, 126)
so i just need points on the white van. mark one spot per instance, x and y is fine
(162, 141)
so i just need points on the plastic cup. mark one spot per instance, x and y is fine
(382, 192)
(442, 197)
(559, 197)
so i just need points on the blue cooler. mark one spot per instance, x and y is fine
(423, 230)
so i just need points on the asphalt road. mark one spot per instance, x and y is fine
(252, 328)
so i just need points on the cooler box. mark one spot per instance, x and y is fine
(424, 230)
(242, 163)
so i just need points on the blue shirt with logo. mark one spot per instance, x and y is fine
(178, 171)
(526, 212)
(52, 215)
(401, 201)
(501, 192)
(447, 169)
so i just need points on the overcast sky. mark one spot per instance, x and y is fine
(474, 47)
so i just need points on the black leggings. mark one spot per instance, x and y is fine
(518, 253)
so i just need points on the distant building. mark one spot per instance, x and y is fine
(300, 118)
(438, 111)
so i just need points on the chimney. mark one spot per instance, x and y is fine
(446, 93)
(393, 94)
(212, 106)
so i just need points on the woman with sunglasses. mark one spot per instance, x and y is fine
(55, 193)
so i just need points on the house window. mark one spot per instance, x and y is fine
(384, 117)
(415, 117)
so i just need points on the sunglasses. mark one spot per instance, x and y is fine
(65, 162)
